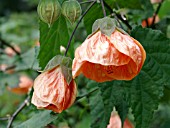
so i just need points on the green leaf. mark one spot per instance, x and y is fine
(133, 4)
(39, 120)
(147, 87)
(97, 111)
(112, 94)
(157, 47)
(8, 79)
(163, 25)
(51, 39)
(115, 94)
(93, 14)
(28, 60)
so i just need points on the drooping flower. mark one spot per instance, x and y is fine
(53, 91)
(108, 54)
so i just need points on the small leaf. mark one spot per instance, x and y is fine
(38, 120)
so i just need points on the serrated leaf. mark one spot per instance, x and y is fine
(115, 94)
(147, 87)
(51, 39)
(157, 47)
(112, 94)
(97, 111)
(39, 120)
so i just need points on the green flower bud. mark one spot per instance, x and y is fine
(72, 10)
(49, 11)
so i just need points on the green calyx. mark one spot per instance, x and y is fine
(107, 26)
(71, 9)
(49, 11)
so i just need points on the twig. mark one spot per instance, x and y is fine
(86, 2)
(156, 12)
(4, 118)
(7, 44)
(119, 16)
(24, 104)
(104, 11)
(10, 67)
(69, 42)
(86, 95)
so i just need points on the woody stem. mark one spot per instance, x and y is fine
(71, 37)
(18, 111)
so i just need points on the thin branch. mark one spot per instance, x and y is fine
(24, 104)
(156, 12)
(86, 2)
(104, 11)
(10, 67)
(4, 118)
(86, 95)
(69, 42)
(7, 44)
(118, 15)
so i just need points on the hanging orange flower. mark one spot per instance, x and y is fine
(105, 58)
(52, 91)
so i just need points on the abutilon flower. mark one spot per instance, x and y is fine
(108, 54)
(53, 91)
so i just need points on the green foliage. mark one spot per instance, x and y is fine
(94, 13)
(133, 4)
(9, 80)
(39, 120)
(97, 111)
(147, 88)
(115, 94)
(28, 60)
(51, 39)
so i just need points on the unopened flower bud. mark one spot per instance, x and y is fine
(49, 11)
(72, 10)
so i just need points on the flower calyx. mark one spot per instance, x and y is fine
(107, 26)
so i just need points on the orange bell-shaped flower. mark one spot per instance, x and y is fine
(52, 91)
(105, 58)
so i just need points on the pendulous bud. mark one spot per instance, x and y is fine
(72, 10)
(49, 11)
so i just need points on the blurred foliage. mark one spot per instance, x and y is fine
(143, 95)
